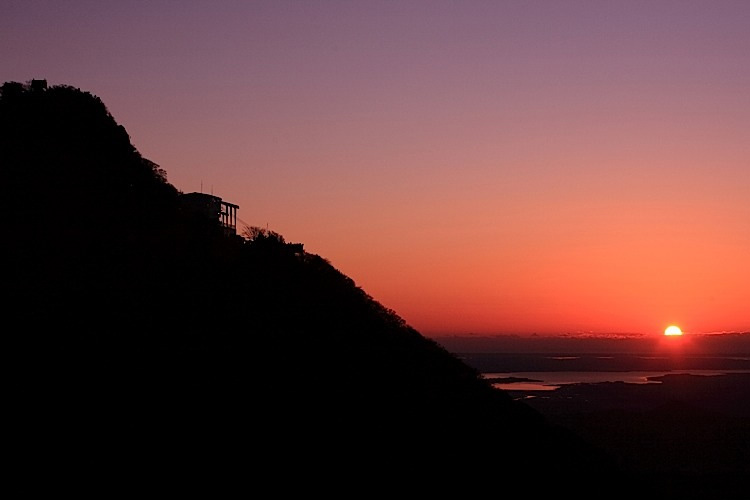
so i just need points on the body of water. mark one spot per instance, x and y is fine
(549, 381)
(548, 371)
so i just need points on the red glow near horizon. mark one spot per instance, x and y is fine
(677, 346)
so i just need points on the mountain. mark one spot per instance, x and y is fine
(146, 342)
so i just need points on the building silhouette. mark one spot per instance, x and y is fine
(212, 208)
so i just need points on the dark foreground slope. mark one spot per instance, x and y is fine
(145, 343)
(685, 436)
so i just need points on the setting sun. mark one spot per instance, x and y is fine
(673, 330)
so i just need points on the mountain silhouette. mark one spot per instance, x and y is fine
(147, 341)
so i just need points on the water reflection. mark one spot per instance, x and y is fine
(549, 381)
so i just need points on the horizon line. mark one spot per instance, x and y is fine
(587, 335)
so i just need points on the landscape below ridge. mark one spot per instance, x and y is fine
(151, 332)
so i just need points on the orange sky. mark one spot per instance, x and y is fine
(488, 167)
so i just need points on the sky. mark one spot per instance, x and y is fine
(479, 167)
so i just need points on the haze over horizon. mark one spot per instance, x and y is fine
(478, 167)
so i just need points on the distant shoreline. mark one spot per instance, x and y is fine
(515, 363)
(551, 381)
(728, 393)
(727, 344)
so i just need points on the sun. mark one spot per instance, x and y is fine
(673, 330)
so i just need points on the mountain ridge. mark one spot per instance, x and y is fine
(147, 336)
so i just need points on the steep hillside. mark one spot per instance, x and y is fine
(146, 336)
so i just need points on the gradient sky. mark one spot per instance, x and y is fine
(486, 167)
